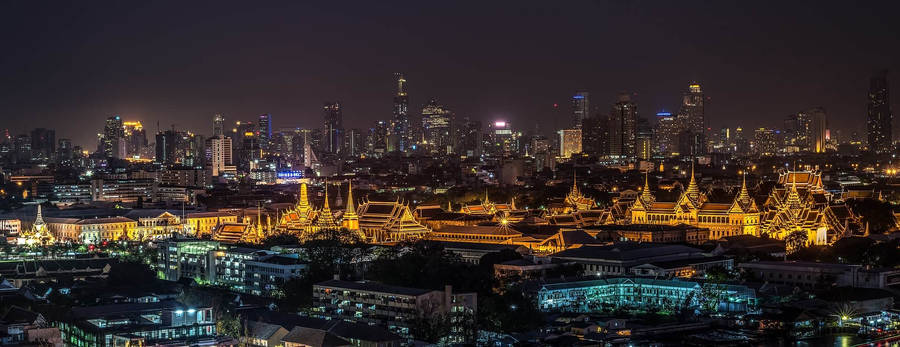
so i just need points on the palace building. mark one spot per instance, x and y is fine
(739, 217)
(799, 202)
(389, 221)
(39, 234)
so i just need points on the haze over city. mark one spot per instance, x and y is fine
(181, 63)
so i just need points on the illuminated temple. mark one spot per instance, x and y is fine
(799, 202)
(739, 217)
(389, 221)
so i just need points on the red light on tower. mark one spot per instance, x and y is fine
(555, 105)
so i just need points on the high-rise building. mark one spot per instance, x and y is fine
(378, 138)
(666, 134)
(806, 130)
(595, 135)
(437, 122)
(765, 142)
(643, 139)
(353, 143)
(879, 119)
(166, 143)
(622, 123)
(65, 150)
(502, 139)
(218, 149)
(471, 142)
(400, 135)
(264, 131)
(581, 108)
(218, 125)
(569, 142)
(334, 127)
(113, 131)
(135, 139)
(43, 143)
(692, 119)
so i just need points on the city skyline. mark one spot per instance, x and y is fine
(493, 79)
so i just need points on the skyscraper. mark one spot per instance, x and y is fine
(643, 139)
(692, 119)
(135, 139)
(569, 142)
(113, 131)
(43, 142)
(878, 114)
(218, 149)
(436, 126)
(595, 135)
(333, 131)
(264, 131)
(400, 135)
(218, 125)
(622, 123)
(581, 108)
(666, 134)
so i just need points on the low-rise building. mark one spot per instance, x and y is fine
(138, 324)
(643, 293)
(809, 274)
(390, 306)
(618, 259)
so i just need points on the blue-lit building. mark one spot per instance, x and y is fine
(644, 293)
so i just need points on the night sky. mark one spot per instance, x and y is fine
(68, 65)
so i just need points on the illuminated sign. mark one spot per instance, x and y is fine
(664, 114)
(500, 124)
(578, 97)
(290, 174)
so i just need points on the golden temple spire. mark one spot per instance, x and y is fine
(325, 206)
(350, 210)
(303, 205)
(744, 195)
(645, 195)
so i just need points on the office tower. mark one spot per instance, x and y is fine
(622, 122)
(581, 108)
(135, 139)
(400, 136)
(595, 135)
(43, 143)
(643, 139)
(666, 134)
(333, 131)
(166, 143)
(64, 149)
(692, 119)
(218, 155)
(471, 141)
(353, 143)
(437, 128)
(264, 131)
(218, 125)
(569, 142)
(502, 140)
(879, 119)
(813, 124)
(113, 131)
(377, 142)
(765, 142)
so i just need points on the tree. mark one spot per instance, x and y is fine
(795, 240)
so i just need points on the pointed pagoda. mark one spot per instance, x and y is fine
(325, 220)
(350, 220)
(575, 200)
(39, 234)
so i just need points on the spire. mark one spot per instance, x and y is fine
(486, 200)
(350, 210)
(39, 220)
(303, 205)
(645, 194)
(512, 203)
(793, 199)
(744, 195)
(692, 190)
